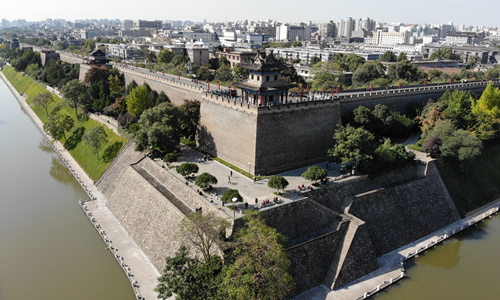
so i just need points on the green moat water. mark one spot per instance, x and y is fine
(466, 266)
(48, 248)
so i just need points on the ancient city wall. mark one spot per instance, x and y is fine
(311, 260)
(360, 260)
(295, 136)
(398, 215)
(147, 216)
(228, 133)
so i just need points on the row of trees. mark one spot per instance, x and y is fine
(258, 268)
(457, 126)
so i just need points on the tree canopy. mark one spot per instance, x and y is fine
(205, 180)
(314, 173)
(161, 127)
(353, 145)
(138, 101)
(277, 182)
(186, 169)
(260, 270)
(43, 100)
(228, 195)
(95, 138)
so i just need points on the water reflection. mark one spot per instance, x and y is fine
(45, 146)
(60, 172)
(446, 258)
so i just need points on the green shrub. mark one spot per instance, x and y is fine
(187, 169)
(230, 194)
(314, 173)
(170, 157)
(205, 180)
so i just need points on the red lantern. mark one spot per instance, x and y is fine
(308, 88)
(209, 87)
(197, 81)
(333, 90)
(231, 93)
(451, 80)
(399, 84)
(371, 87)
(323, 90)
(260, 99)
(425, 81)
(486, 77)
(337, 90)
(299, 88)
(469, 79)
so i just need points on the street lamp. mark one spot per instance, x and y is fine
(234, 207)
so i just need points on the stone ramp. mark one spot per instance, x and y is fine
(341, 254)
(163, 189)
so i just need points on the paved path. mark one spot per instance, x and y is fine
(136, 263)
(246, 187)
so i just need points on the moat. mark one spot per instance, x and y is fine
(48, 248)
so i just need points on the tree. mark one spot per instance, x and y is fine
(224, 73)
(260, 270)
(150, 56)
(160, 127)
(170, 158)
(95, 138)
(456, 144)
(138, 101)
(402, 56)
(353, 145)
(58, 124)
(405, 70)
(228, 195)
(130, 87)
(289, 75)
(189, 278)
(74, 93)
(388, 56)
(114, 84)
(204, 73)
(179, 60)
(369, 71)
(186, 169)
(277, 182)
(314, 173)
(162, 97)
(189, 125)
(431, 145)
(327, 74)
(489, 101)
(165, 56)
(315, 60)
(203, 231)
(205, 180)
(88, 45)
(43, 100)
(31, 70)
(240, 73)
(54, 72)
(96, 74)
(354, 62)
(297, 44)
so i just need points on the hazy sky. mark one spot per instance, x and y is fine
(466, 12)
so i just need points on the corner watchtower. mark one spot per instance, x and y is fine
(264, 85)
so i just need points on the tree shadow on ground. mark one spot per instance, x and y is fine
(74, 139)
(111, 151)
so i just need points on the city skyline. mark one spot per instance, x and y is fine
(425, 11)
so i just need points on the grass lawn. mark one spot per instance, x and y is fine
(82, 154)
(474, 184)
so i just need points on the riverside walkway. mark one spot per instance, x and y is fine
(140, 271)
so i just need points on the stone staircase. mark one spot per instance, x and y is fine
(163, 189)
(341, 253)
